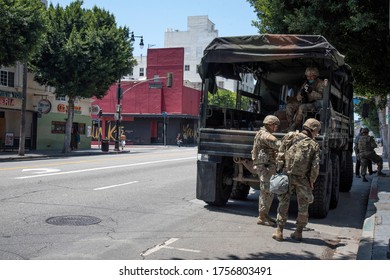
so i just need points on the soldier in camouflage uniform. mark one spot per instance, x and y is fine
(309, 97)
(265, 148)
(299, 156)
(366, 146)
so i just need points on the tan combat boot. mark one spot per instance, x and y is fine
(297, 234)
(278, 234)
(265, 220)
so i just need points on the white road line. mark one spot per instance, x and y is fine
(113, 186)
(102, 168)
(159, 247)
(182, 249)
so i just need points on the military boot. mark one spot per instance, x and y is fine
(380, 173)
(278, 234)
(364, 178)
(297, 234)
(265, 220)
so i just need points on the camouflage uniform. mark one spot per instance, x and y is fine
(265, 148)
(313, 102)
(300, 176)
(366, 146)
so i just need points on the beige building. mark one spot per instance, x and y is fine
(45, 114)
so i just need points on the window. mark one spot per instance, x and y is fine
(7, 78)
(60, 98)
(186, 68)
(141, 71)
(58, 127)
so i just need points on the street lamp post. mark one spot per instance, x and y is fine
(119, 97)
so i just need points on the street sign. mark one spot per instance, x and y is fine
(95, 109)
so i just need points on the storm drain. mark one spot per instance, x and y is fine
(73, 220)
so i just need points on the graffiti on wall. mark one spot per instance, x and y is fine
(188, 133)
(110, 131)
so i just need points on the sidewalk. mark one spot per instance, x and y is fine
(94, 150)
(375, 240)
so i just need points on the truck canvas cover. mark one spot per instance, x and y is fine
(267, 54)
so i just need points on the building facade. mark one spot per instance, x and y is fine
(45, 114)
(151, 111)
(200, 32)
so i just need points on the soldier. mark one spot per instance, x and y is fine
(299, 155)
(310, 96)
(358, 162)
(265, 148)
(366, 146)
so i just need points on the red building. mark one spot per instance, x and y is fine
(147, 104)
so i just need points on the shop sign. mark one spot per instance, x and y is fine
(7, 101)
(44, 106)
(62, 108)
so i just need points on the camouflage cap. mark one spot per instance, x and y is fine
(312, 124)
(365, 130)
(312, 71)
(271, 119)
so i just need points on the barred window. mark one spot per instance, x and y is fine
(7, 78)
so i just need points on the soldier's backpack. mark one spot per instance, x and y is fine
(297, 156)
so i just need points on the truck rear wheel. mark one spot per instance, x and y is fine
(224, 184)
(346, 173)
(322, 192)
(334, 198)
(240, 191)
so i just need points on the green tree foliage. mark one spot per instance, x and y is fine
(21, 29)
(223, 98)
(84, 54)
(228, 99)
(358, 29)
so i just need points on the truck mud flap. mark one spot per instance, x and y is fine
(206, 180)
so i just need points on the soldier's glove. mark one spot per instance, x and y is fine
(305, 93)
(279, 167)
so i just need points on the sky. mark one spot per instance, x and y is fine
(151, 18)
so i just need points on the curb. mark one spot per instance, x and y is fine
(60, 155)
(367, 239)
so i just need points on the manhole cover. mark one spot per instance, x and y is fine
(73, 220)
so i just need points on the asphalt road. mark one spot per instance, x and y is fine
(142, 205)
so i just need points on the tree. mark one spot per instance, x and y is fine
(22, 28)
(358, 29)
(85, 52)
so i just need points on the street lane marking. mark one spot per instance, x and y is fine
(41, 170)
(159, 247)
(164, 245)
(103, 168)
(113, 186)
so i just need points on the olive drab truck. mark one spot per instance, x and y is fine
(277, 64)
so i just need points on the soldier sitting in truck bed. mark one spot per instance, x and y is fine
(309, 96)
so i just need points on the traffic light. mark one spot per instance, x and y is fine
(365, 110)
(100, 113)
(169, 79)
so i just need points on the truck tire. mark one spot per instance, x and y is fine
(346, 173)
(334, 198)
(240, 191)
(224, 183)
(322, 192)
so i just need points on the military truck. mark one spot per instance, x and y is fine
(277, 63)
